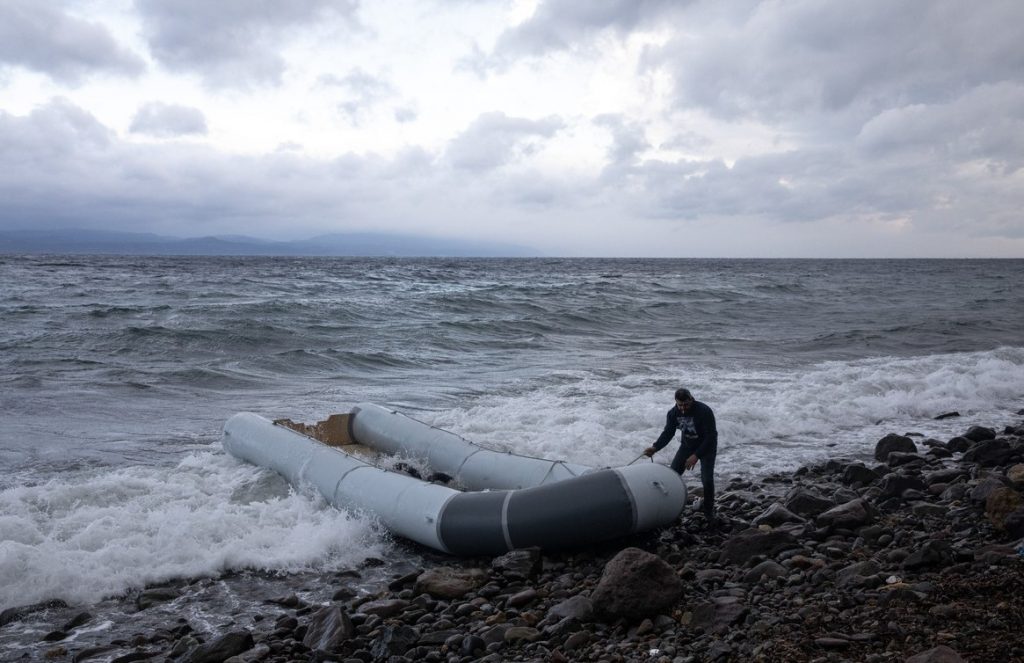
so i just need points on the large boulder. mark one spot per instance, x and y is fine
(449, 583)
(893, 442)
(636, 584)
(329, 628)
(851, 515)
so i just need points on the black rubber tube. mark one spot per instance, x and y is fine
(594, 507)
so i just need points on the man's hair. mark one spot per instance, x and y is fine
(684, 395)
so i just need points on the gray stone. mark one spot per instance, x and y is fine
(859, 473)
(524, 563)
(766, 569)
(329, 628)
(806, 503)
(894, 484)
(979, 433)
(394, 641)
(576, 607)
(740, 548)
(958, 444)
(521, 634)
(851, 515)
(636, 584)
(449, 583)
(980, 493)
(151, 597)
(222, 648)
(776, 515)
(990, 453)
(384, 607)
(893, 442)
(933, 552)
(719, 614)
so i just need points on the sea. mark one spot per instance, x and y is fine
(118, 373)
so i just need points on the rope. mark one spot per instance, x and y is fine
(638, 458)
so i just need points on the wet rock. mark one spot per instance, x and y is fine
(979, 433)
(518, 634)
(449, 583)
(766, 569)
(636, 584)
(777, 515)
(990, 453)
(893, 442)
(851, 515)
(718, 614)
(328, 629)
(522, 598)
(807, 503)
(932, 553)
(1015, 475)
(384, 607)
(577, 607)
(224, 647)
(987, 486)
(947, 415)
(1000, 503)
(472, 645)
(958, 444)
(394, 641)
(76, 621)
(894, 484)
(151, 597)
(523, 564)
(858, 473)
(940, 654)
(740, 548)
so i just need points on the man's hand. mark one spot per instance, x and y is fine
(691, 461)
(649, 451)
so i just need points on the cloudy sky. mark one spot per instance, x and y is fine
(578, 127)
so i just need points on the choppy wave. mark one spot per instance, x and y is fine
(102, 533)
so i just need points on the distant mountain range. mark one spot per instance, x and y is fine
(77, 241)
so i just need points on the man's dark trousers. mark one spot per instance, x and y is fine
(707, 475)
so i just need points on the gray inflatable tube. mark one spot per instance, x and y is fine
(595, 506)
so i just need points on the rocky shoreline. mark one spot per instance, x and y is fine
(918, 556)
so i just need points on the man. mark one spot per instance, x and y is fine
(700, 442)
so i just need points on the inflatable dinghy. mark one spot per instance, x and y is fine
(511, 501)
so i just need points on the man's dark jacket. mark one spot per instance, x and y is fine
(706, 440)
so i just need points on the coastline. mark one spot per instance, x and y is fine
(845, 560)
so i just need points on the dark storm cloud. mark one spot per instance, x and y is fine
(494, 139)
(836, 65)
(230, 42)
(37, 36)
(168, 120)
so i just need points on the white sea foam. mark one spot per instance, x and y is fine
(767, 420)
(83, 537)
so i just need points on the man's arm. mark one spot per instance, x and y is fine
(665, 437)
